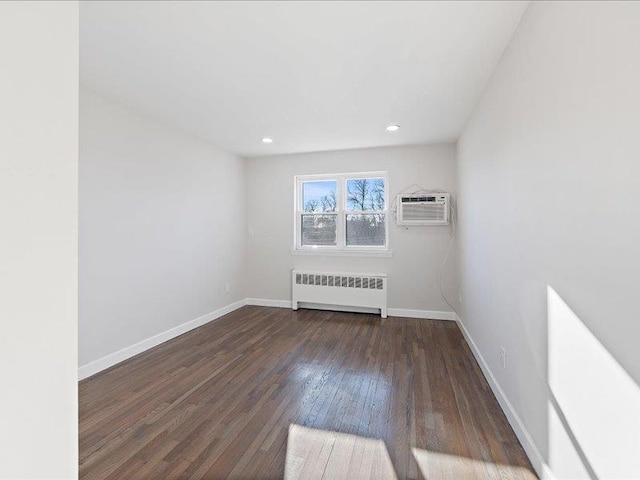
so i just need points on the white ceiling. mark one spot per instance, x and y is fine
(312, 75)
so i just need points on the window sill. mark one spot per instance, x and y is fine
(344, 253)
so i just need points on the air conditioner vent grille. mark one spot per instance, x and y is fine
(423, 211)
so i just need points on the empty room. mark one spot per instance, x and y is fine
(320, 240)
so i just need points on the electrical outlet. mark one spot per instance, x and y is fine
(503, 357)
(227, 288)
(251, 232)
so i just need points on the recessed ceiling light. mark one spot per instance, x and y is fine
(267, 140)
(393, 128)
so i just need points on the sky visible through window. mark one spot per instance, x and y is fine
(313, 194)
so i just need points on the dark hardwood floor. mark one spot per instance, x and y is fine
(273, 393)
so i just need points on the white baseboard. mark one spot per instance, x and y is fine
(112, 359)
(529, 446)
(393, 312)
(430, 314)
(266, 302)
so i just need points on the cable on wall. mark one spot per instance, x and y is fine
(417, 190)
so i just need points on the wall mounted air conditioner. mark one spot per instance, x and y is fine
(420, 209)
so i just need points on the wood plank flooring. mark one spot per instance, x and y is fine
(273, 393)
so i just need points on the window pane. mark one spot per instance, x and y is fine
(319, 230)
(365, 194)
(366, 230)
(319, 196)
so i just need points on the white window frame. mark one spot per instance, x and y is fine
(341, 248)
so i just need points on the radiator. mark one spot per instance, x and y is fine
(340, 289)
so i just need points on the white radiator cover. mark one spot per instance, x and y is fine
(340, 289)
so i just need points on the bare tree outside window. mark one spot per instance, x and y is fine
(319, 223)
(329, 202)
(365, 220)
(365, 194)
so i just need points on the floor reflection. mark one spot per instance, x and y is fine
(314, 454)
(434, 465)
(321, 454)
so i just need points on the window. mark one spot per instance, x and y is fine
(345, 212)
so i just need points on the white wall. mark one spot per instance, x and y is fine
(549, 209)
(417, 252)
(161, 227)
(38, 239)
